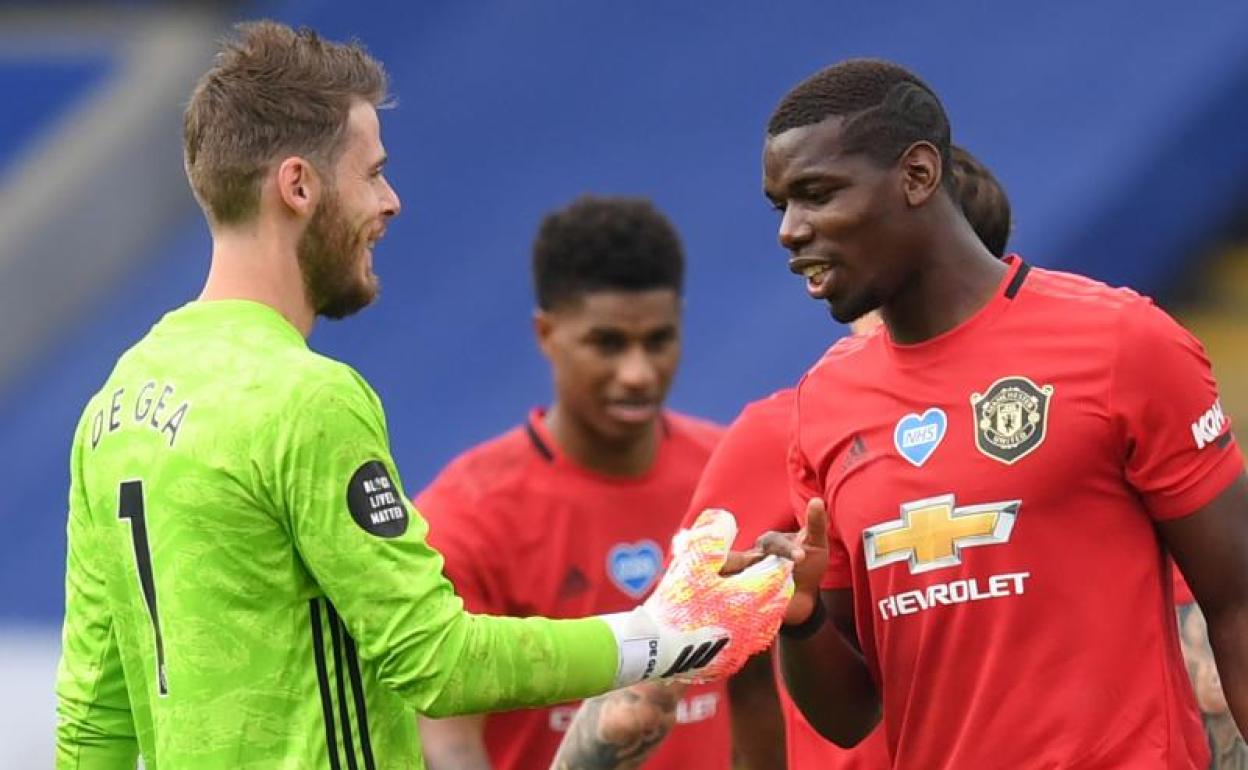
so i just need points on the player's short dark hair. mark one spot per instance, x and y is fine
(886, 109)
(605, 244)
(983, 200)
(272, 91)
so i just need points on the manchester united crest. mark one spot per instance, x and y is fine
(1011, 418)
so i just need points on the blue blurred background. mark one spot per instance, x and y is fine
(1117, 128)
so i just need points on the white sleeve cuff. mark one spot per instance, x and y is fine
(637, 638)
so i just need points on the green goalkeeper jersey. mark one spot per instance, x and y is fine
(247, 585)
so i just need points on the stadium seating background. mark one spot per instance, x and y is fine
(1117, 128)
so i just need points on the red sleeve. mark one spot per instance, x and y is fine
(804, 483)
(1182, 592)
(1178, 449)
(463, 531)
(746, 473)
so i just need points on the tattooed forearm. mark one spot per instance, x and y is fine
(619, 730)
(457, 743)
(1225, 743)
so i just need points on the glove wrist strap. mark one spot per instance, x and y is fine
(637, 639)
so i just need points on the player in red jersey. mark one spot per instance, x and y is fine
(1004, 464)
(572, 511)
(747, 475)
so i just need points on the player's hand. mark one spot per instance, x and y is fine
(636, 716)
(808, 550)
(700, 625)
(740, 560)
(745, 608)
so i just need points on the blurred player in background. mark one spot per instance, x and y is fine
(570, 513)
(747, 475)
(246, 584)
(1005, 466)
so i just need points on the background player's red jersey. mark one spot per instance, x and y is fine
(992, 493)
(526, 531)
(1182, 591)
(747, 475)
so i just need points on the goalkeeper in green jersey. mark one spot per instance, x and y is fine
(247, 585)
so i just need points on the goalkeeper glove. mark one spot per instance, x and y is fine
(699, 625)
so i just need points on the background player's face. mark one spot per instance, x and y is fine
(843, 218)
(336, 249)
(613, 355)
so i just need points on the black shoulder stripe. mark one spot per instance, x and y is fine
(538, 444)
(1017, 282)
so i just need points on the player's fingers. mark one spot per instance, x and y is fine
(705, 545)
(816, 529)
(739, 560)
(780, 544)
(765, 576)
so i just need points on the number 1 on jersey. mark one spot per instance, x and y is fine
(131, 507)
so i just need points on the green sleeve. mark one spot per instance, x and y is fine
(94, 727)
(365, 546)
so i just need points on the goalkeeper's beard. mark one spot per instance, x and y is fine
(331, 259)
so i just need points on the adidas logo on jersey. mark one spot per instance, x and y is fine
(574, 583)
(1209, 426)
(856, 454)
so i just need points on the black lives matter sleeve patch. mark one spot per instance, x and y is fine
(374, 501)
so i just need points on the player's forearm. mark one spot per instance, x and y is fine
(462, 758)
(1225, 744)
(757, 724)
(831, 685)
(495, 664)
(619, 730)
(454, 744)
(1228, 636)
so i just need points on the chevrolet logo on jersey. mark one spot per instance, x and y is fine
(932, 533)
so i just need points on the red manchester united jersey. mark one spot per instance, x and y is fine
(747, 475)
(992, 495)
(526, 531)
(1182, 593)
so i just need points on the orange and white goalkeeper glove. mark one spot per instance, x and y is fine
(699, 625)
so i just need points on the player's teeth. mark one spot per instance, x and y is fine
(814, 270)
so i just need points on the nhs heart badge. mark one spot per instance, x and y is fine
(916, 438)
(634, 567)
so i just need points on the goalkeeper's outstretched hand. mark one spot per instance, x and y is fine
(700, 625)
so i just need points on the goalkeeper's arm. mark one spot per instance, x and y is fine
(696, 626)
(386, 583)
(94, 728)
